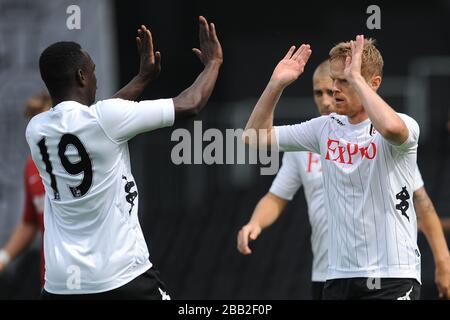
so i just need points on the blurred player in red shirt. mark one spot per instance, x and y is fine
(33, 218)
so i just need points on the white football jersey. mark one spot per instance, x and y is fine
(304, 168)
(369, 185)
(418, 181)
(93, 241)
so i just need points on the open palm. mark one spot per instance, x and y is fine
(292, 65)
(353, 63)
(210, 48)
(150, 61)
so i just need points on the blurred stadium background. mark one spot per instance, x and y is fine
(191, 214)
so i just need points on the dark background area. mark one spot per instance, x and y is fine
(191, 214)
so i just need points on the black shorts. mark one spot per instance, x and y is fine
(147, 286)
(317, 290)
(372, 288)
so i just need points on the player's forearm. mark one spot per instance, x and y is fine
(262, 115)
(21, 238)
(432, 228)
(260, 123)
(192, 100)
(261, 119)
(385, 120)
(134, 88)
(267, 211)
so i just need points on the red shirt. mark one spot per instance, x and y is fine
(33, 212)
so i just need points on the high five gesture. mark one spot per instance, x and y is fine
(150, 61)
(149, 66)
(291, 66)
(210, 49)
(352, 67)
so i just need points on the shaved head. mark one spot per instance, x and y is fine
(322, 70)
(323, 88)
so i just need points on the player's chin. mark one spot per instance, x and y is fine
(341, 110)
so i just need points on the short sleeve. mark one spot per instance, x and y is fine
(300, 137)
(123, 119)
(288, 180)
(418, 181)
(413, 136)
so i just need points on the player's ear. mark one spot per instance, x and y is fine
(375, 82)
(80, 77)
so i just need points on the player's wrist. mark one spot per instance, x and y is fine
(276, 84)
(5, 258)
(144, 76)
(214, 64)
(255, 224)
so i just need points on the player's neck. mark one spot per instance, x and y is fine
(71, 96)
(357, 117)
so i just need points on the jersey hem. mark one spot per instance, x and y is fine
(375, 273)
(100, 287)
(319, 277)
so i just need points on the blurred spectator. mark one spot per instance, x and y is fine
(33, 219)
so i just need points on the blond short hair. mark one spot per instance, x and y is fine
(372, 61)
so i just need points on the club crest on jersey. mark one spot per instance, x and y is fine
(372, 130)
(347, 153)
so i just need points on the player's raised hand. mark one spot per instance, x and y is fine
(210, 49)
(353, 64)
(291, 66)
(150, 61)
(248, 233)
